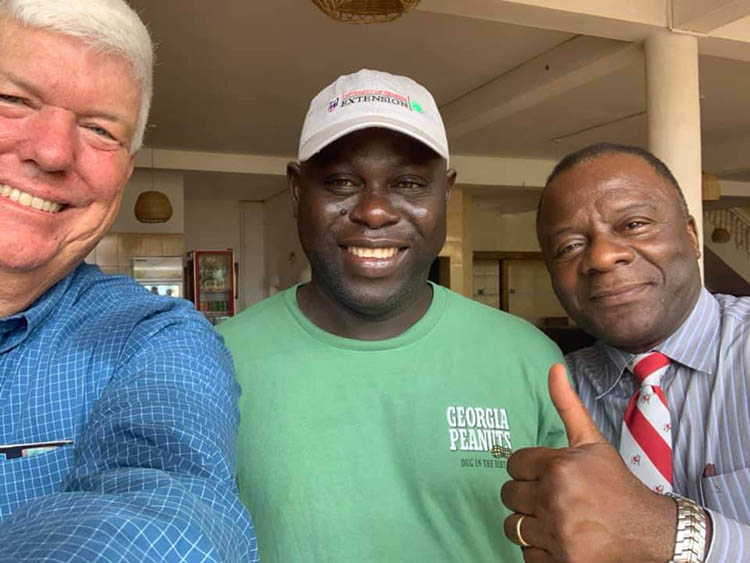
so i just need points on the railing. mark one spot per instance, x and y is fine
(735, 221)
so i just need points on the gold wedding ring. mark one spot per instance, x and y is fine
(518, 532)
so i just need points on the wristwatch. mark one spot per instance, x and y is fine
(690, 543)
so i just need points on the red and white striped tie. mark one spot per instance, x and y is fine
(646, 438)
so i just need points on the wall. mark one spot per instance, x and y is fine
(486, 286)
(252, 261)
(528, 281)
(495, 231)
(530, 291)
(167, 182)
(285, 261)
(212, 224)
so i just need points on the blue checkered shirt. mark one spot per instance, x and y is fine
(144, 388)
(707, 387)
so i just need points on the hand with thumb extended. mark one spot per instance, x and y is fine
(579, 426)
(581, 503)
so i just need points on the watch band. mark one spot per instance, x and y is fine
(690, 543)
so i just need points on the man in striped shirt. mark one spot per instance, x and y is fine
(622, 252)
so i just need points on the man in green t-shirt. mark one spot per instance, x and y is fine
(378, 409)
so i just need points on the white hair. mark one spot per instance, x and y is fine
(109, 26)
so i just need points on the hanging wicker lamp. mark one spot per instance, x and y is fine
(153, 207)
(365, 11)
(720, 235)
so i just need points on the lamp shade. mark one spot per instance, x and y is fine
(720, 235)
(153, 207)
(365, 11)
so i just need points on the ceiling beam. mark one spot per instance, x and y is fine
(727, 158)
(629, 21)
(170, 159)
(634, 20)
(731, 41)
(705, 16)
(571, 64)
(472, 170)
(733, 188)
(498, 171)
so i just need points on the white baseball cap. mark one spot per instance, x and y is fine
(370, 98)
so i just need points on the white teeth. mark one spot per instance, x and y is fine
(28, 200)
(380, 253)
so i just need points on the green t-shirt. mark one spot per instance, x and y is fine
(361, 451)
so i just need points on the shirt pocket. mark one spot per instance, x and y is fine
(26, 478)
(727, 494)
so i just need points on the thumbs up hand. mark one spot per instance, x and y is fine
(579, 426)
(580, 503)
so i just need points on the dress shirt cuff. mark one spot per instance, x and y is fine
(728, 539)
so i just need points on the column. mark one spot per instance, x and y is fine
(458, 248)
(673, 101)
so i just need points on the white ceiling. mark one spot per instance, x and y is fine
(236, 76)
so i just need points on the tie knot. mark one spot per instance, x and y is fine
(649, 367)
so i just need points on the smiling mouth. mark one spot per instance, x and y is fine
(620, 293)
(28, 200)
(382, 253)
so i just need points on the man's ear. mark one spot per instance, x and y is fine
(131, 167)
(692, 231)
(293, 178)
(450, 183)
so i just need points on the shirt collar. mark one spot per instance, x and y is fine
(16, 328)
(694, 344)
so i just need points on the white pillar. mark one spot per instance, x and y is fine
(674, 121)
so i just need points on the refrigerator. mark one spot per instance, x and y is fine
(212, 283)
(161, 275)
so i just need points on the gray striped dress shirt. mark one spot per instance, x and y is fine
(708, 394)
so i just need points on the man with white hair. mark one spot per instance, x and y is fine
(118, 411)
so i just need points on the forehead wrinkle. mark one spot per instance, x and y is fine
(633, 172)
(17, 80)
(622, 194)
(604, 185)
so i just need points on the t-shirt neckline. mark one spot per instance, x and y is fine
(417, 331)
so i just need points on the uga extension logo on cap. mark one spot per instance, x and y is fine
(373, 97)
